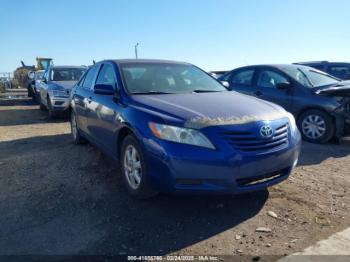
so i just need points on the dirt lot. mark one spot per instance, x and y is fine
(59, 198)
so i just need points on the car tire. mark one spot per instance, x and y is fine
(316, 126)
(34, 99)
(77, 138)
(30, 93)
(42, 106)
(133, 166)
(37, 98)
(52, 114)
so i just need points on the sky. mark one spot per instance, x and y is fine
(212, 34)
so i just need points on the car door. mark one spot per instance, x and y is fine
(267, 81)
(103, 111)
(242, 80)
(82, 96)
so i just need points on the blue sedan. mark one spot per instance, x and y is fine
(174, 128)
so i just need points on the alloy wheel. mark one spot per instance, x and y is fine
(132, 167)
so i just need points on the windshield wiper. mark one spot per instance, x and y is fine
(151, 93)
(205, 91)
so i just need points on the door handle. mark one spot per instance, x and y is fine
(258, 93)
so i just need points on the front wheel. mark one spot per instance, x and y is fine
(42, 106)
(134, 169)
(52, 113)
(316, 126)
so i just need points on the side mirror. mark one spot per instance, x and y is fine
(44, 80)
(102, 89)
(284, 86)
(225, 84)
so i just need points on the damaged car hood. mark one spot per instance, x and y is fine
(198, 110)
(340, 89)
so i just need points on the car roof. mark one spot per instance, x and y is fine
(277, 66)
(320, 63)
(143, 61)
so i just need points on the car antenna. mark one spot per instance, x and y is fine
(93, 61)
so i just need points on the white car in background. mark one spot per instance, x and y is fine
(55, 87)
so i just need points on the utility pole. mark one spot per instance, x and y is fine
(136, 55)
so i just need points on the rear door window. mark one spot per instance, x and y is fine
(270, 79)
(243, 77)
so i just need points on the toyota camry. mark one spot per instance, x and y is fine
(174, 128)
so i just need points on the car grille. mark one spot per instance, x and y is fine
(250, 142)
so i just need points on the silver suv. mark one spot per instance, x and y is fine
(55, 88)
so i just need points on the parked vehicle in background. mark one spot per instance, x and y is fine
(319, 102)
(24, 75)
(217, 74)
(174, 128)
(34, 84)
(55, 87)
(340, 70)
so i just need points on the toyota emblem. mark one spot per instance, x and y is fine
(266, 131)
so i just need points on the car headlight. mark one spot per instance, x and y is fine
(293, 124)
(59, 93)
(180, 135)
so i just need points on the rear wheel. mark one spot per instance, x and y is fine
(316, 126)
(134, 169)
(77, 138)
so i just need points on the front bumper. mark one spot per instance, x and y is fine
(179, 168)
(59, 104)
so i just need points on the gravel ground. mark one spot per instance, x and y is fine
(60, 198)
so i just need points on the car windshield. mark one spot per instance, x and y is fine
(167, 78)
(67, 74)
(310, 77)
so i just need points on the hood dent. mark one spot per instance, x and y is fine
(202, 122)
(201, 110)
